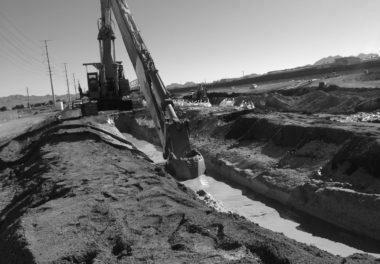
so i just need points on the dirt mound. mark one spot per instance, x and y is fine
(332, 100)
(368, 106)
(77, 199)
(315, 101)
(282, 131)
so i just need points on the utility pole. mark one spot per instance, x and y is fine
(27, 92)
(68, 86)
(50, 74)
(75, 86)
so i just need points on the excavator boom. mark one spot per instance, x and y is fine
(183, 161)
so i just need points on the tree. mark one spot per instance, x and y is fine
(21, 106)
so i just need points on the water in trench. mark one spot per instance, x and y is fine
(263, 213)
(240, 201)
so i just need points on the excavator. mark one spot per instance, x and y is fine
(109, 89)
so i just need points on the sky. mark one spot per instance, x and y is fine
(190, 40)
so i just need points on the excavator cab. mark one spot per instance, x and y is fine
(107, 88)
(106, 93)
(124, 86)
(93, 85)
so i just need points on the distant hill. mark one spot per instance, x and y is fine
(193, 84)
(13, 100)
(178, 85)
(369, 56)
(327, 60)
(350, 59)
(251, 75)
(324, 63)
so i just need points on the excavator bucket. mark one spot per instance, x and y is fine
(183, 162)
(188, 167)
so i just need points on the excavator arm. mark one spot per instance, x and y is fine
(183, 161)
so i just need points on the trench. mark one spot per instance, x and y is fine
(268, 214)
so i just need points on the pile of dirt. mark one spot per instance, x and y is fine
(78, 198)
(310, 100)
(369, 105)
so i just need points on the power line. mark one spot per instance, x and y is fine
(14, 47)
(20, 44)
(16, 62)
(14, 55)
(19, 38)
(21, 60)
(20, 50)
(54, 72)
(19, 30)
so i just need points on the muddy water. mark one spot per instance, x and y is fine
(245, 203)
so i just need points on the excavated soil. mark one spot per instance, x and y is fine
(326, 169)
(307, 100)
(75, 194)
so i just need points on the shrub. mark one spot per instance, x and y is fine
(21, 106)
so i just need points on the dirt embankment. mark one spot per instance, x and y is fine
(81, 197)
(311, 72)
(331, 172)
(328, 170)
(310, 100)
(21, 126)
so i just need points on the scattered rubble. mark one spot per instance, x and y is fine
(358, 117)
